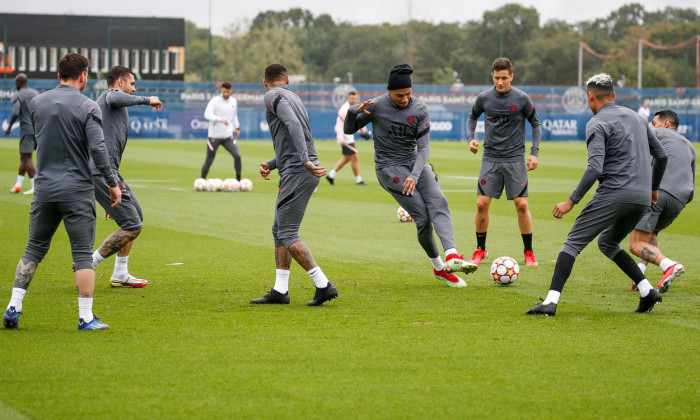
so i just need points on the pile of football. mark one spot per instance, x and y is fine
(228, 184)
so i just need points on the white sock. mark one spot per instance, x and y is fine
(644, 287)
(16, 299)
(642, 267)
(437, 263)
(85, 309)
(96, 259)
(121, 268)
(665, 264)
(318, 277)
(332, 173)
(20, 179)
(552, 297)
(358, 179)
(32, 181)
(281, 281)
(450, 251)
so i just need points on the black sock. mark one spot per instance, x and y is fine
(562, 271)
(628, 266)
(481, 240)
(527, 241)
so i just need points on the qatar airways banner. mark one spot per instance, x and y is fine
(444, 126)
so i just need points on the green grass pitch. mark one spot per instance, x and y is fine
(395, 344)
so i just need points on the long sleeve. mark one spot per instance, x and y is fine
(536, 130)
(209, 114)
(596, 158)
(286, 114)
(115, 98)
(476, 111)
(660, 159)
(98, 148)
(15, 110)
(422, 146)
(354, 120)
(234, 120)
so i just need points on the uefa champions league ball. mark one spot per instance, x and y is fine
(505, 270)
(403, 215)
(246, 184)
(214, 184)
(200, 184)
(230, 185)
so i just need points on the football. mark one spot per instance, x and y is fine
(403, 215)
(246, 184)
(200, 184)
(230, 184)
(505, 270)
(214, 184)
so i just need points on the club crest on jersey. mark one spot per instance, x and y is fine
(512, 108)
(411, 119)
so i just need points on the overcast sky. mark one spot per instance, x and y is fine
(225, 12)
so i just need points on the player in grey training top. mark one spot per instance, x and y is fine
(297, 165)
(129, 217)
(506, 108)
(619, 145)
(676, 191)
(401, 126)
(68, 130)
(27, 142)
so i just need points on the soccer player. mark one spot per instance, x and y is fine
(68, 130)
(27, 142)
(401, 126)
(676, 191)
(224, 129)
(298, 166)
(620, 146)
(506, 108)
(129, 217)
(347, 142)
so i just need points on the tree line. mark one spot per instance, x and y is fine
(546, 54)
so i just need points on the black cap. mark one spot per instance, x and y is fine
(400, 77)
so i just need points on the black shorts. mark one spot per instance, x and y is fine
(347, 151)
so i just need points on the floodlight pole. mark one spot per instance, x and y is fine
(639, 65)
(210, 63)
(4, 47)
(580, 64)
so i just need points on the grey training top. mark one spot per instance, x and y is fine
(504, 124)
(20, 109)
(290, 129)
(115, 123)
(679, 178)
(68, 130)
(401, 135)
(619, 144)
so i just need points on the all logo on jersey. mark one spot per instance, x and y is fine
(483, 181)
(396, 180)
(513, 108)
(411, 119)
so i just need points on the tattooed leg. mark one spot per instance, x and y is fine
(302, 254)
(117, 241)
(85, 282)
(25, 273)
(283, 259)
